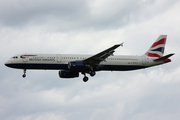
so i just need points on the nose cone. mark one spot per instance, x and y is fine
(7, 63)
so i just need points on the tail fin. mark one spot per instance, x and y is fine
(157, 49)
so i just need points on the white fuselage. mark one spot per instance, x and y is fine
(70, 65)
(60, 61)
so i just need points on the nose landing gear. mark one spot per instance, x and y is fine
(24, 75)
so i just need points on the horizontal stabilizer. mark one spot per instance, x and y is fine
(163, 58)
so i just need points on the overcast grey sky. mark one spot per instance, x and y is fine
(88, 27)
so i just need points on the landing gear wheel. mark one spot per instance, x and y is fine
(85, 79)
(24, 75)
(92, 73)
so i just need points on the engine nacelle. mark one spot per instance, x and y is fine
(77, 65)
(68, 74)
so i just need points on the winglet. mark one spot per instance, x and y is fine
(116, 46)
(121, 44)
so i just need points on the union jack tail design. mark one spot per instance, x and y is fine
(157, 49)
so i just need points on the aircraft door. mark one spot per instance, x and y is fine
(58, 56)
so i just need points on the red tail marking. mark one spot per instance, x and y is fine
(167, 60)
(153, 55)
(162, 41)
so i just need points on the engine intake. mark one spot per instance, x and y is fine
(68, 74)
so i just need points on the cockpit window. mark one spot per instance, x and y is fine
(15, 57)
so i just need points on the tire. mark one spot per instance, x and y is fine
(92, 73)
(85, 79)
(24, 75)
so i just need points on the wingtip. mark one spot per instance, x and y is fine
(172, 54)
(119, 44)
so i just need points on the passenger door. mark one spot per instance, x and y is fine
(58, 58)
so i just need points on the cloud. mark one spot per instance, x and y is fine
(80, 15)
(124, 97)
(17, 13)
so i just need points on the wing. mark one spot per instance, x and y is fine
(96, 59)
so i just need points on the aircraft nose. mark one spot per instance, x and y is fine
(7, 63)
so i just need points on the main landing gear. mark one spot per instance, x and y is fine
(92, 73)
(24, 75)
(85, 79)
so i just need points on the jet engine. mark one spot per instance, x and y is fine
(77, 65)
(68, 74)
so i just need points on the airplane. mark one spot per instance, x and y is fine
(70, 65)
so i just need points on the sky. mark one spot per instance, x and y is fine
(89, 27)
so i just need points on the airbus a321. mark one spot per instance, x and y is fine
(71, 65)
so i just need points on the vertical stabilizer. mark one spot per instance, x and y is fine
(157, 49)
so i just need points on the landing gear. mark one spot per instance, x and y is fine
(85, 79)
(24, 75)
(92, 73)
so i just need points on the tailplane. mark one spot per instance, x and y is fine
(164, 58)
(157, 49)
